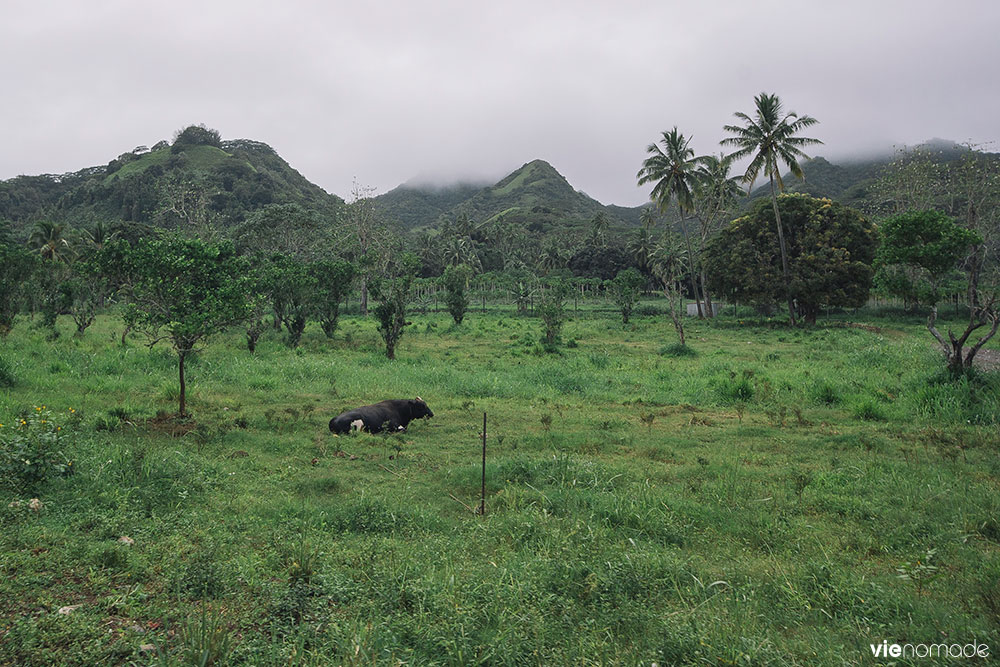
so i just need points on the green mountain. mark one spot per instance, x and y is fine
(850, 182)
(535, 196)
(217, 182)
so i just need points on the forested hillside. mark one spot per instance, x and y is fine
(535, 196)
(197, 179)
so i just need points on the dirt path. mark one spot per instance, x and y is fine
(987, 360)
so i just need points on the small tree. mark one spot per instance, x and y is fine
(668, 266)
(393, 292)
(183, 290)
(82, 293)
(626, 289)
(196, 135)
(256, 286)
(552, 310)
(933, 245)
(333, 282)
(292, 288)
(455, 280)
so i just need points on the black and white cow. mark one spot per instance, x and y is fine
(392, 415)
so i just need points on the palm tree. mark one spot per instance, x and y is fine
(458, 249)
(551, 258)
(672, 170)
(51, 241)
(770, 137)
(647, 217)
(642, 248)
(598, 229)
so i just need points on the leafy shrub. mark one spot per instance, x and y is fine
(31, 451)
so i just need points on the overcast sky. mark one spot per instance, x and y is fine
(389, 91)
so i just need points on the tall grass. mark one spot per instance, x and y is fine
(750, 503)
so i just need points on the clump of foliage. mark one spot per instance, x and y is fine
(7, 377)
(393, 292)
(333, 282)
(196, 135)
(291, 286)
(32, 450)
(552, 310)
(830, 250)
(455, 280)
(626, 289)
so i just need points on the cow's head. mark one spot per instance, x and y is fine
(419, 409)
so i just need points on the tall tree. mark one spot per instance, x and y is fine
(370, 235)
(770, 136)
(830, 251)
(672, 171)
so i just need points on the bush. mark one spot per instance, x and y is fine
(196, 135)
(31, 451)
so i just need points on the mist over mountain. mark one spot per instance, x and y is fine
(225, 181)
(535, 195)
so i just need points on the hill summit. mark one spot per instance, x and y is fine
(198, 174)
(535, 195)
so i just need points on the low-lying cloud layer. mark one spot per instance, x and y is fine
(472, 90)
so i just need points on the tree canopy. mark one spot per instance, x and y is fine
(830, 252)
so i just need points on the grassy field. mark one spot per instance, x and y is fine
(780, 496)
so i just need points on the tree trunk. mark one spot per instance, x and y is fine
(691, 272)
(953, 348)
(784, 253)
(181, 412)
(709, 311)
(674, 300)
(364, 296)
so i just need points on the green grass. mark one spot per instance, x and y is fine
(751, 503)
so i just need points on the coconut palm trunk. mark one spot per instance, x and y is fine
(692, 275)
(784, 254)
